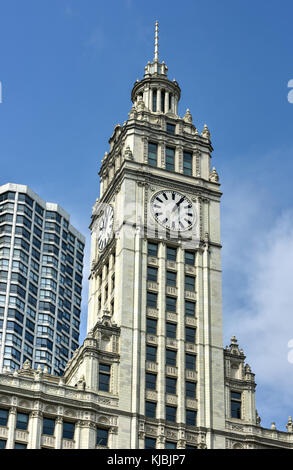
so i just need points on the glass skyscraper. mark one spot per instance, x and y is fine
(41, 265)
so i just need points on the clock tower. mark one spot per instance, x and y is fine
(155, 298)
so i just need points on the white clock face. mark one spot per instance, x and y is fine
(105, 227)
(173, 210)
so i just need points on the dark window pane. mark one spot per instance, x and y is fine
(171, 304)
(170, 159)
(171, 413)
(18, 445)
(151, 326)
(152, 249)
(171, 253)
(152, 154)
(102, 437)
(149, 443)
(190, 389)
(189, 308)
(190, 334)
(150, 381)
(104, 382)
(170, 128)
(68, 430)
(187, 163)
(170, 445)
(171, 278)
(191, 418)
(171, 330)
(48, 426)
(150, 409)
(189, 258)
(189, 283)
(190, 361)
(151, 353)
(2, 444)
(22, 421)
(152, 274)
(151, 300)
(171, 357)
(3, 417)
(171, 385)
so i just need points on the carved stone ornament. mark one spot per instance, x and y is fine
(128, 154)
(206, 133)
(188, 117)
(214, 177)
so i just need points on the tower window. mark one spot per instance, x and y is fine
(104, 377)
(171, 330)
(171, 253)
(191, 418)
(190, 334)
(170, 159)
(170, 445)
(189, 308)
(152, 249)
(151, 300)
(190, 388)
(171, 412)
(151, 326)
(187, 163)
(150, 409)
(150, 381)
(3, 417)
(48, 426)
(68, 430)
(171, 385)
(2, 444)
(102, 437)
(154, 100)
(170, 100)
(235, 405)
(150, 443)
(189, 258)
(171, 278)
(190, 361)
(171, 357)
(22, 421)
(170, 128)
(152, 274)
(152, 154)
(151, 353)
(190, 283)
(171, 304)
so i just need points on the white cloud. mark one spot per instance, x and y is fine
(258, 287)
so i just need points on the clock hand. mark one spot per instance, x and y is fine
(176, 207)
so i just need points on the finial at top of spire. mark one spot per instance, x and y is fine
(156, 58)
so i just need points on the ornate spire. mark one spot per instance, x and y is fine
(156, 58)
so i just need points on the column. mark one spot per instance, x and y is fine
(166, 101)
(58, 432)
(136, 352)
(159, 99)
(11, 427)
(181, 336)
(35, 427)
(77, 434)
(161, 333)
(88, 435)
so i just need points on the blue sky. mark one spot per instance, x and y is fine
(67, 68)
